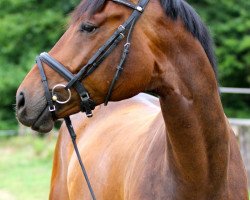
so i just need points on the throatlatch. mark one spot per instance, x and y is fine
(87, 104)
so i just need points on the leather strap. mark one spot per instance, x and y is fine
(112, 42)
(55, 65)
(73, 138)
(129, 4)
(105, 55)
(87, 105)
(94, 59)
(45, 85)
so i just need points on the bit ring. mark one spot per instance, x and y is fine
(54, 97)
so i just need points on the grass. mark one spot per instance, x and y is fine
(25, 167)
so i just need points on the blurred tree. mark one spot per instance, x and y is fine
(229, 22)
(27, 28)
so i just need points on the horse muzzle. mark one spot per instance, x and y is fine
(33, 114)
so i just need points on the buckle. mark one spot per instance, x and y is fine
(122, 35)
(139, 8)
(85, 97)
(121, 28)
(89, 115)
(127, 45)
(52, 109)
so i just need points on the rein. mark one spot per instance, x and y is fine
(87, 104)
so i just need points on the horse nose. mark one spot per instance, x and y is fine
(21, 109)
(20, 102)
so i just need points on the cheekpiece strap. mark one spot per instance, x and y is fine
(48, 95)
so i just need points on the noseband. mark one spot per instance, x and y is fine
(74, 81)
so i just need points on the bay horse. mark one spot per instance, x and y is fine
(179, 146)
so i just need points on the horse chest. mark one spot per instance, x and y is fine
(131, 176)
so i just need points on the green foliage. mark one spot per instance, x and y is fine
(229, 22)
(28, 27)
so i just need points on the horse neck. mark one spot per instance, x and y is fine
(196, 127)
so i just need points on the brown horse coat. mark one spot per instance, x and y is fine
(129, 158)
(139, 149)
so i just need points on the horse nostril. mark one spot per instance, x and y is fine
(20, 101)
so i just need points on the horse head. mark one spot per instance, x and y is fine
(152, 47)
(92, 24)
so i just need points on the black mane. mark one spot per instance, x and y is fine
(193, 23)
(174, 9)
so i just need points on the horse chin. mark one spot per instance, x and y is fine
(44, 122)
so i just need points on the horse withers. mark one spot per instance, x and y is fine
(177, 147)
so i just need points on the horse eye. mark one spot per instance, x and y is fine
(88, 28)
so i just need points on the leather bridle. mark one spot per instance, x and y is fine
(87, 104)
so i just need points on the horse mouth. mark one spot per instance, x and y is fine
(44, 122)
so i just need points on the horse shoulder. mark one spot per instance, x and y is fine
(62, 153)
(121, 146)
